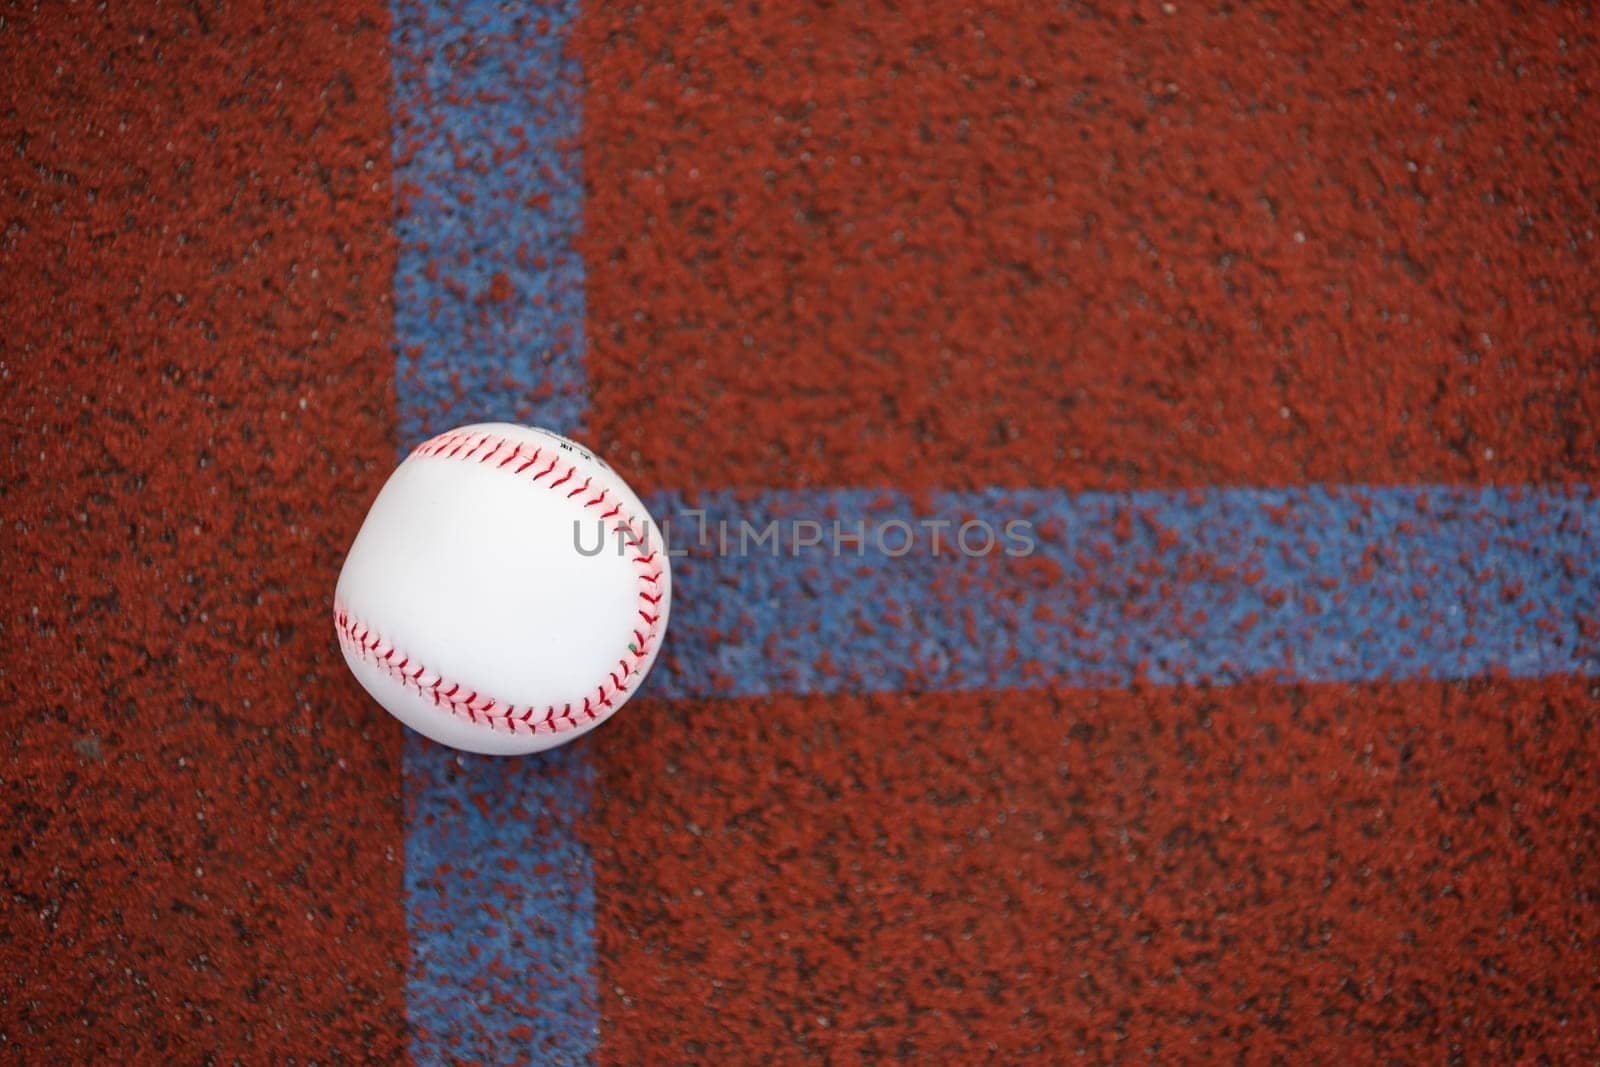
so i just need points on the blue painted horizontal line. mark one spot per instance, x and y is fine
(1313, 584)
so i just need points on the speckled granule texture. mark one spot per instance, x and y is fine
(1393, 873)
(202, 814)
(1092, 246)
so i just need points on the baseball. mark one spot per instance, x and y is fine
(507, 592)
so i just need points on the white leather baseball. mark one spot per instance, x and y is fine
(478, 604)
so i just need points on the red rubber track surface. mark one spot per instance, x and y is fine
(202, 833)
(1313, 873)
(1038, 245)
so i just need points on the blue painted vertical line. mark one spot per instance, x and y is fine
(489, 295)
(489, 317)
(500, 907)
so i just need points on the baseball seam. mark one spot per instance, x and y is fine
(523, 461)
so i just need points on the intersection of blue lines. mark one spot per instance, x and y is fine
(1312, 584)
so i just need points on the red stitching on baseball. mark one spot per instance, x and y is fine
(497, 714)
